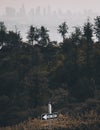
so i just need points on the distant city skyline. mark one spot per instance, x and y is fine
(73, 5)
(9, 10)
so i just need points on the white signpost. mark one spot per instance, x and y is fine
(49, 108)
(49, 115)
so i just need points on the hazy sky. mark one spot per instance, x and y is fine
(73, 5)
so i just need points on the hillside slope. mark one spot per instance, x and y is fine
(31, 76)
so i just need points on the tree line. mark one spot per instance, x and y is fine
(41, 35)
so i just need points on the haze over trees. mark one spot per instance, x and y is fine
(39, 71)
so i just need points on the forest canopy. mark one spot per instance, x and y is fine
(38, 71)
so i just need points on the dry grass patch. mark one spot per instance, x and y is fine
(82, 122)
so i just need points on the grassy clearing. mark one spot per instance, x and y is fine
(87, 121)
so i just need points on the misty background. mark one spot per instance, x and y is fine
(19, 15)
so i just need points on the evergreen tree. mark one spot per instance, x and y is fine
(97, 27)
(88, 31)
(2, 33)
(31, 34)
(37, 36)
(44, 36)
(76, 36)
(13, 38)
(76, 40)
(63, 29)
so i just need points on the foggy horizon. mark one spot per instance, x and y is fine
(49, 13)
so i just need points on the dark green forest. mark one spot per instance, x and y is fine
(35, 72)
